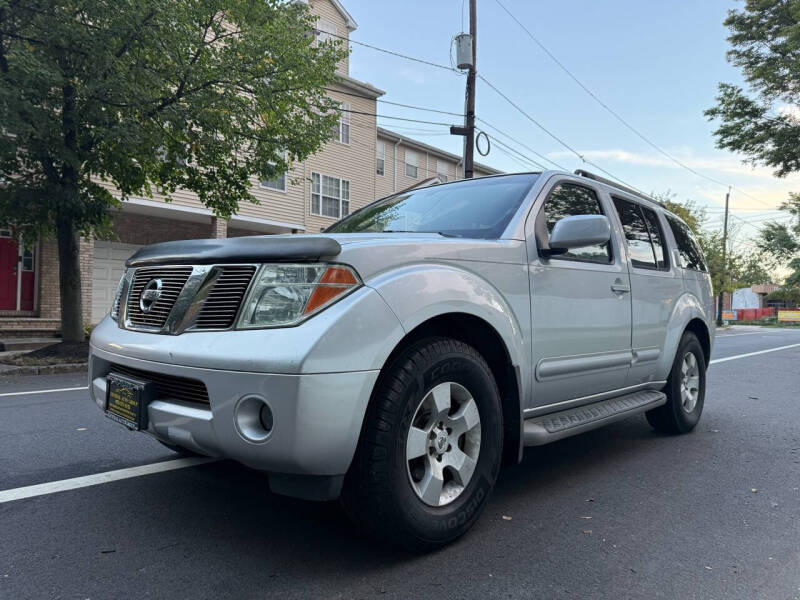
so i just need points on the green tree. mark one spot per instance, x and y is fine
(150, 95)
(762, 121)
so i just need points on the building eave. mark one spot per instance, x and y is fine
(348, 18)
(361, 87)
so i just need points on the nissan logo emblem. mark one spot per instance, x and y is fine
(150, 295)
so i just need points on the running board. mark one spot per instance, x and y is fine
(555, 426)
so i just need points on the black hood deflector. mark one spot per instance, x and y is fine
(261, 248)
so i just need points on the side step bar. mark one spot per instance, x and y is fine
(555, 426)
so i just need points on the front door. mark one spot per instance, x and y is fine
(580, 302)
(9, 257)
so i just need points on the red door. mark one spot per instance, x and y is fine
(9, 255)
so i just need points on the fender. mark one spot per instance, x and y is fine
(453, 289)
(687, 307)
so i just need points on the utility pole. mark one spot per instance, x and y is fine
(469, 149)
(468, 130)
(724, 257)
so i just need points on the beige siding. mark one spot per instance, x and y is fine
(324, 9)
(354, 162)
(384, 184)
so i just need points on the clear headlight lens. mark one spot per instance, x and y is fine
(117, 298)
(286, 294)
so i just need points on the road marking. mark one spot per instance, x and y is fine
(727, 335)
(75, 389)
(52, 487)
(719, 360)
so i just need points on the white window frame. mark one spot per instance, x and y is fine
(380, 158)
(343, 129)
(414, 165)
(343, 196)
(441, 173)
(325, 29)
(267, 185)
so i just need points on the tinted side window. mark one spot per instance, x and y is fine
(566, 200)
(691, 255)
(656, 237)
(637, 235)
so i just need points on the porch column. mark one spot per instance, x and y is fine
(219, 228)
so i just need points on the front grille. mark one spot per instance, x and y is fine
(168, 387)
(222, 303)
(172, 281)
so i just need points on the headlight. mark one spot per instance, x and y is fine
(117, 298)
(286, 294)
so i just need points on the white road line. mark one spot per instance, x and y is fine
(52, 487)
(727, 335)
(719, 360)
(75, 389)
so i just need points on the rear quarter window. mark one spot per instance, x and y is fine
(688, 248)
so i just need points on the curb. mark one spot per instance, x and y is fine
(12, 371)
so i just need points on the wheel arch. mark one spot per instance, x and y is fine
(479, 334)
(700, 330)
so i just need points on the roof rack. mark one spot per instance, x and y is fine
(590, 175)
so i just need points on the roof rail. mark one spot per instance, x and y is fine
(589, 175)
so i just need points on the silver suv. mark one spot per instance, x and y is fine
(399, 358)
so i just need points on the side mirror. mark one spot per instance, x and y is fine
(579, 231)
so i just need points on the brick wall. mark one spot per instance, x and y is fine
(49, 288)
(146, 229)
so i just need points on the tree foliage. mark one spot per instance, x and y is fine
(150, 96)
(762, 122)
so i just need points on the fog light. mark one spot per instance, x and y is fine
(254, 419)
(265, 416)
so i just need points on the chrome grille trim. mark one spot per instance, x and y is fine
(224, 300)
(193, 298)
(173, 280)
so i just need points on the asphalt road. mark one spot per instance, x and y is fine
(621, 512)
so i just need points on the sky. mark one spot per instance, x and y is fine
(656, 64)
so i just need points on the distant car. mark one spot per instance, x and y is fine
(399, 358)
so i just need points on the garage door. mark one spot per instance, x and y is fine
(109, 264)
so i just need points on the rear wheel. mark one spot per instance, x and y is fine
(685, 389)
(431, 447)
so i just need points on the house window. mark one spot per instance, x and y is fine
(5, 232)
(27, 260)
(342, 132)
(326, 31)
(279, 182)
(412, 161)
(380, 157)
(441, 170)
(330, 196)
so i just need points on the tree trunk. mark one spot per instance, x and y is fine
(69, 279)
(719, 309)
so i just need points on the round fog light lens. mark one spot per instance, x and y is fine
(265, 416)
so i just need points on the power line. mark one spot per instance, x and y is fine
(369, 114)
(516, 141)
(617, 115)
(411, 106)
(502, 145)
(391, 52)
(554, 136)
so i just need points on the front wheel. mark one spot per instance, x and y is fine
(430, 449)
(685, 389)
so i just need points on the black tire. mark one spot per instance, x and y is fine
(378, 494)
(673, 417)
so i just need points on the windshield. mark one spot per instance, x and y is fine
(476, 208)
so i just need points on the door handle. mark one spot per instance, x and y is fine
(620, 288)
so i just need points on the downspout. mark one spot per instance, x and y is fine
(395, 164)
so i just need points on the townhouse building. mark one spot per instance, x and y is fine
(363, 162)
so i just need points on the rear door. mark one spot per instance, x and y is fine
(656, 284)
(580, 302)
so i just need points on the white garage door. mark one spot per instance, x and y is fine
(109, 264)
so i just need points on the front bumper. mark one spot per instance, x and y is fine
(317, 417)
